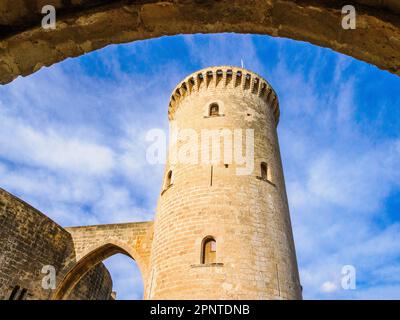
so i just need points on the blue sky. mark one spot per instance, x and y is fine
(72, 144)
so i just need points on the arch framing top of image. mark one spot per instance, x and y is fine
(25, 46)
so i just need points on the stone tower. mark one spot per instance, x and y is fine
(223, 231)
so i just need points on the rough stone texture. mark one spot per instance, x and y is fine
(86, 25)
(28, 241)
(247, 216)
(95, 285)
(93, 244)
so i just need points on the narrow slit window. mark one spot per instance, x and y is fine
(211, 176)
(14, 293)
(214, 110)
(22, 295)
(264, 171)
(209, 251)
(168, 181)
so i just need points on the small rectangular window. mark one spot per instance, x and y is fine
(214, 110)
(264, 171)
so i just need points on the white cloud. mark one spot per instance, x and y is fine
(329, 287)
(223, 49)
(48, 149)
(355, 181)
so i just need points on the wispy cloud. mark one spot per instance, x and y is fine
(25, 145)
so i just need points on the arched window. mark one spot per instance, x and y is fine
(214, 110)
(208, 250)
(264, 171)
(168, 181)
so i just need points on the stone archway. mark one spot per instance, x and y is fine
(76, 271)
(87, 25)
(93, 244)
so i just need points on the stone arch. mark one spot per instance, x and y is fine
(93, 256)
(84, 26)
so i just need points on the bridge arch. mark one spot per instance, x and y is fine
(93, 244)
(88, 25)
(94, 255)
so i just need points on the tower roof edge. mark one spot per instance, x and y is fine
(240, 78)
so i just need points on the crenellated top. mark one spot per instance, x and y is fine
(224, 77)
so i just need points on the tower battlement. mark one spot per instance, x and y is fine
(233, 78)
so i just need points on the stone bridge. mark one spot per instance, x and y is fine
(93, 244)
(87, 25)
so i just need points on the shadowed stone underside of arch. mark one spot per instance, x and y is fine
(87, 25)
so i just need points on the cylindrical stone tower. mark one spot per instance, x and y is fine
(222, 228)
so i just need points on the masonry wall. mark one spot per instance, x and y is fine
(28, 241)
(95, 285)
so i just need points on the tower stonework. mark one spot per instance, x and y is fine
(242, 219)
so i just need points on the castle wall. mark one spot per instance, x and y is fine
(28, 241)
(246, 215)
